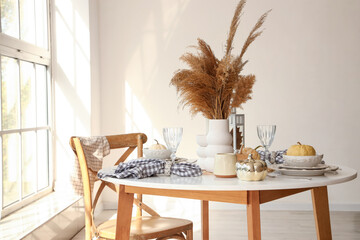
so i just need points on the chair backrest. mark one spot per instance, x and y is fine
(129, 141)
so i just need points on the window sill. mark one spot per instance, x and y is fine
(32, 218)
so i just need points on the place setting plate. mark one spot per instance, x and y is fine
(306, 171)
(318, 167)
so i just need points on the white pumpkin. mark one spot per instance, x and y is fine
(157, 146)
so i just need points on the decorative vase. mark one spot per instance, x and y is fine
(201, 151)
(219, 140)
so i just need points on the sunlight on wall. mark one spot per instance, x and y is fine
(64, 33)
(134, 55)
(137, 120)
(72, 81)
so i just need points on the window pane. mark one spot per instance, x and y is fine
(10, 151)
(10, 17)
(28, 154)
(27, 95)
(43, 162)
(41, 23)
(9, 93)
(41, 94)
(27, 20)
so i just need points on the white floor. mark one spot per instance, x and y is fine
(275, 225)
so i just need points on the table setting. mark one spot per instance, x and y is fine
(247, 164)
(159, 160)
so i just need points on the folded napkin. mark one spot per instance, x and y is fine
(277, 155)
(142, 168)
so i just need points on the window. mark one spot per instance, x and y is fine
(25, 93)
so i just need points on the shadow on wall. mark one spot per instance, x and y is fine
(139, 62)
(136, 76)
(72, 85)
(138, 66)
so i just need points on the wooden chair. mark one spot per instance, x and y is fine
(142, 227)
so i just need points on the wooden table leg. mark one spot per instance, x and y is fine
(253, 215)
(321, 212)
(205, 219)
(124, 212)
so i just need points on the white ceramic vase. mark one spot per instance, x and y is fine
(219, 140)
(201, 151)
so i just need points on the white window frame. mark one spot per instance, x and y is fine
(21, 50)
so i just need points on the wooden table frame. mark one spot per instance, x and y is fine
(252, 199)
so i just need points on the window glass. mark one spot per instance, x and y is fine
(27, 95)
(42, 157)
(10, 17)
(10, 155)
(9, 93)
(41, 23)
(28, 157)
(25, 133)
(27, 21)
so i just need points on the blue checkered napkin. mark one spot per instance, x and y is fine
(186, 170)
(139, 168)
(278, 155)
(142, 168)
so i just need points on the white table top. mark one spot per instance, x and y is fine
(210, 182)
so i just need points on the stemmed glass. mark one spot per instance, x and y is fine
(266, 135)
(172, 137)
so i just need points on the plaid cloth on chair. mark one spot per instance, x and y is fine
(142, 168)
(95, 149)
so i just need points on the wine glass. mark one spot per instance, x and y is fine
(266, 135)
(172, 137)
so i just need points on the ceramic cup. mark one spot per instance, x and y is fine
(224, 165)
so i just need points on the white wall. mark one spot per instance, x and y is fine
(75, 78)
(306, 64)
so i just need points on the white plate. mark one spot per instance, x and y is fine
(306, 172)
(303, 172)
(317, 167)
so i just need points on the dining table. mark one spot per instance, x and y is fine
(230, 190)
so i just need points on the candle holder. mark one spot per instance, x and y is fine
(237, 126)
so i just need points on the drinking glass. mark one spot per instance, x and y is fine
(172, 137)
(266, 135)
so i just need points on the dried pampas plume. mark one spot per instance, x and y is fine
(211, 86)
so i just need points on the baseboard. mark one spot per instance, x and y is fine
(99, 208)
(109, 205)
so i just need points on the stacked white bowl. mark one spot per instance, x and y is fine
(302, 161)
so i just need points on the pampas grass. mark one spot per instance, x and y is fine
(211, 86)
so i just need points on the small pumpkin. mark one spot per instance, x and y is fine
(251, 169)
(157, 146)
(245, 151)
(301, 150)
